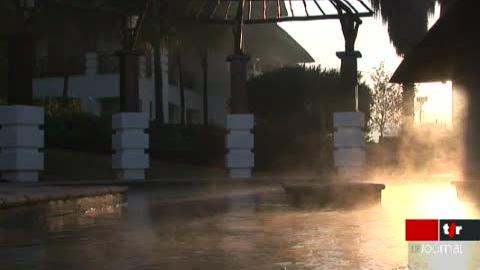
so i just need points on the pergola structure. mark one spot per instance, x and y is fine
(449, 51)
(350, 154)
(235, 13)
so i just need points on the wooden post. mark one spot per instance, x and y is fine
(205, 87)
(348, 70)
(238, 83)
(157, 63)
(129, 98)
(238, 68)
(20, 72)
(408, 96)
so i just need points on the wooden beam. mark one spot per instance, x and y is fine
(227, 10)
(319, 7)
(214, 9)
(291, 8)
(283, 19)
(305, 6)
(264, 9)
(278, 9)
(350, 5)
(365, 6)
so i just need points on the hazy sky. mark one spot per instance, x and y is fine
(322, 39)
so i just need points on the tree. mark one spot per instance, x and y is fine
(293, 110)
(407, 22)
(386, 106)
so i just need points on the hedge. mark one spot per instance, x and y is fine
(193, 144)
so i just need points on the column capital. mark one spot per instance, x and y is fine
(129, 52)
(240, 57)
(354, 54)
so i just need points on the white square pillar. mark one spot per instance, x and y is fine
(130, 142)
(349, 143)
(91, 64)
(21, 139)
(239, 142)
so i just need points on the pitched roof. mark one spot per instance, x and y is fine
(450, 46)
(275, 45)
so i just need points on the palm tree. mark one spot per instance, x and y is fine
(407, 22)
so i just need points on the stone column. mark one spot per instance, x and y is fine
(239, 139)
(129, 143)
(349, 143)
(129, 140)
(129, 72)
(348, 74)
(239, 143)
(91, 64)
(20, 69)
(21, 139)
(142, 66)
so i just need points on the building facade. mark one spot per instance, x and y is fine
(87, 69)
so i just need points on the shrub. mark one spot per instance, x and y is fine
(194, 144)
(293, 110)
(58, 106)
(80, 131)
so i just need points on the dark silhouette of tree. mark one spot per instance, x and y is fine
(407, 20)
(293, 110)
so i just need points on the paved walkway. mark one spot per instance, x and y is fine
(20, 194)
(12, 195)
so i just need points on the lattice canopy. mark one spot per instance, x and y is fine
(270, 11)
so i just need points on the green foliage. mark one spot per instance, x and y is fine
(200, 145)
(80, 131)
(59, 107)
(302, 95)
(293, 110)
(193, 144)
(386, 106)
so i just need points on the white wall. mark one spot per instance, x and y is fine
(87, 88)
(91, 86)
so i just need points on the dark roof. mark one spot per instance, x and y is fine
(450, 47)
(271, 11)
(275, 45)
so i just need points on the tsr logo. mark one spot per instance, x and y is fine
(451, 229)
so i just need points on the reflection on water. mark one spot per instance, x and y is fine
(251, 231)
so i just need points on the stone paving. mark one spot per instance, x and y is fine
(12, 195)
(20, 194)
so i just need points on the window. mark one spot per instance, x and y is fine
(193, 116)
(173, 114)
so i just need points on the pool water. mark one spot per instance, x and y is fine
(247, 228)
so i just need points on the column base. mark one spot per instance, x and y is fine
(20, 176)
(129, 141)
(130, 174)
(20, 141)
(349, 142)
(351, 172)
(239, 143)
(240, 173)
